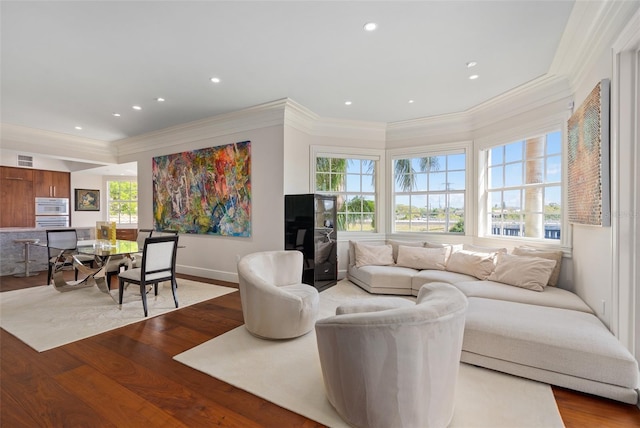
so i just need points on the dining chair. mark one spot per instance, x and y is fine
(158, 265)
(136, 258)
(62, 243)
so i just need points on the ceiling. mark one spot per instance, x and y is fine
(68, 64)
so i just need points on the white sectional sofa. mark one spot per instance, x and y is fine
(518, 321)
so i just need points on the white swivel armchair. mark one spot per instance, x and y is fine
(275, 303)
(387, 362)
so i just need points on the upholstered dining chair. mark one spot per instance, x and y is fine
(387, 362)
(158, 265)
(64, 243)
(275, 302)
(136, 258)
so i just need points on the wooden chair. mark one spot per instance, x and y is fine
(158, 265)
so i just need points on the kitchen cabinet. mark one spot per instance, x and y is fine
(16, 197)
(52, 184)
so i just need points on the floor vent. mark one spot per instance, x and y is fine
(24, 160)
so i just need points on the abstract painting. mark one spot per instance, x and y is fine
(588, 160)
(205, 191)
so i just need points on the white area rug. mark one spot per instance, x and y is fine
(288, 374)
(44, 318)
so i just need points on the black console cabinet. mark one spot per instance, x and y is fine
(309, 227)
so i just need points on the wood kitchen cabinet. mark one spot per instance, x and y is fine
(16, 197)
(52, 184)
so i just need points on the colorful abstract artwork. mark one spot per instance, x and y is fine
(206, 191)
(588, 160)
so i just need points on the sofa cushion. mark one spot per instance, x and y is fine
(557, 340)
(422, 258)
(396, 244)
(546, 254)
(428, 276)
(378, 255)
(551, 296)
(527, 272)
(479, 249)
(383, 279)
(479, 265)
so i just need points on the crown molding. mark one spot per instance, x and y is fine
(591, 30)
(56, 145)
(256, 117)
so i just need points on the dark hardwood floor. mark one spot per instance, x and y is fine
(127, 378)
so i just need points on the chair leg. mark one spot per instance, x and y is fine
(50, 272)
(155, 289)
(121, 290)
(174, 286)
(143, 293)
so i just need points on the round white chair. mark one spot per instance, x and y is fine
(275, 303)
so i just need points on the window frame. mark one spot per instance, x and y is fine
(510, 135)
(127, 179)
(376, 155)
(433, 150)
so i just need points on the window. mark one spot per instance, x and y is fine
(429, 193)
(524, 186)
(123, 201)
(352, 180)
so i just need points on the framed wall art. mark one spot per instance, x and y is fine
(588, 160)
(87, 200)
(205, 191)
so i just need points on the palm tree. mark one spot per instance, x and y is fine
(404, 171)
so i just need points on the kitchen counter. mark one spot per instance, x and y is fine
(12, 254)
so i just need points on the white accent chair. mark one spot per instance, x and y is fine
(158, 265)
(387, 362)
(275, 303)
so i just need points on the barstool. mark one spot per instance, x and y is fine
(27, 261)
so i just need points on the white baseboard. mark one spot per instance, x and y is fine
(208, 273)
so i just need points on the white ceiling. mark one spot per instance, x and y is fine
(67, 64)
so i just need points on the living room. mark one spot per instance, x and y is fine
(600, 263)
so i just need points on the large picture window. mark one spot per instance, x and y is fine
(524, 185)
(123, 201)
(429, 193)
(352, 180)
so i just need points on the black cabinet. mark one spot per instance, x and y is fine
(309, 227)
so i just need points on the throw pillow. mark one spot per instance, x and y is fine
(378, 255)
(422, 258)
(396, 244)
(479, 265)
(545, 254)
(452, 247)
(523, 271)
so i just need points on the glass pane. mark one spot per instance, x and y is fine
(513, 174)
(554, 169)
(437, 181)
(554, 142)
(513, 151)
(496, 177)
(456, 162)
(369, 223)
(337, 182)
(495, 201)
(338, 165)
(353, 183)
(512, 202)
(535, 171)
(456, 180)
(354, 204)
(341, 218)
(404, 183)
(436, 163)
(552, 226)
(353, 166)
(420, 182)
(496, 155)
(456, 202)
(552, 197)
(322, 182)
(418, 206)
(368, 183)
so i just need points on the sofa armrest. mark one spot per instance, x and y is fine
(373, 305)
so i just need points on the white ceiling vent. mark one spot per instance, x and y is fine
(24, 160)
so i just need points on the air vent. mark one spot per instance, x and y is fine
(24, 160)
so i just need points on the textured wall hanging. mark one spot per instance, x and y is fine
(206, 191)
(588, 160)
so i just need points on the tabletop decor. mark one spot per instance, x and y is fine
(205, 191)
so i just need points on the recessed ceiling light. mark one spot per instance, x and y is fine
(215, 79)
(473, 77)
(347, 103)
(411, 101)
(160, 100)
(471, 64)
(78, 127)
(116, 114)
(370, 26)
(136, 108)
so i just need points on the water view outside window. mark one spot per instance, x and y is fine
(429, 193)
(123, 201)
(525, 187)
(353, 182)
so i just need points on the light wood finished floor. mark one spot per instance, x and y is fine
(127, 378)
